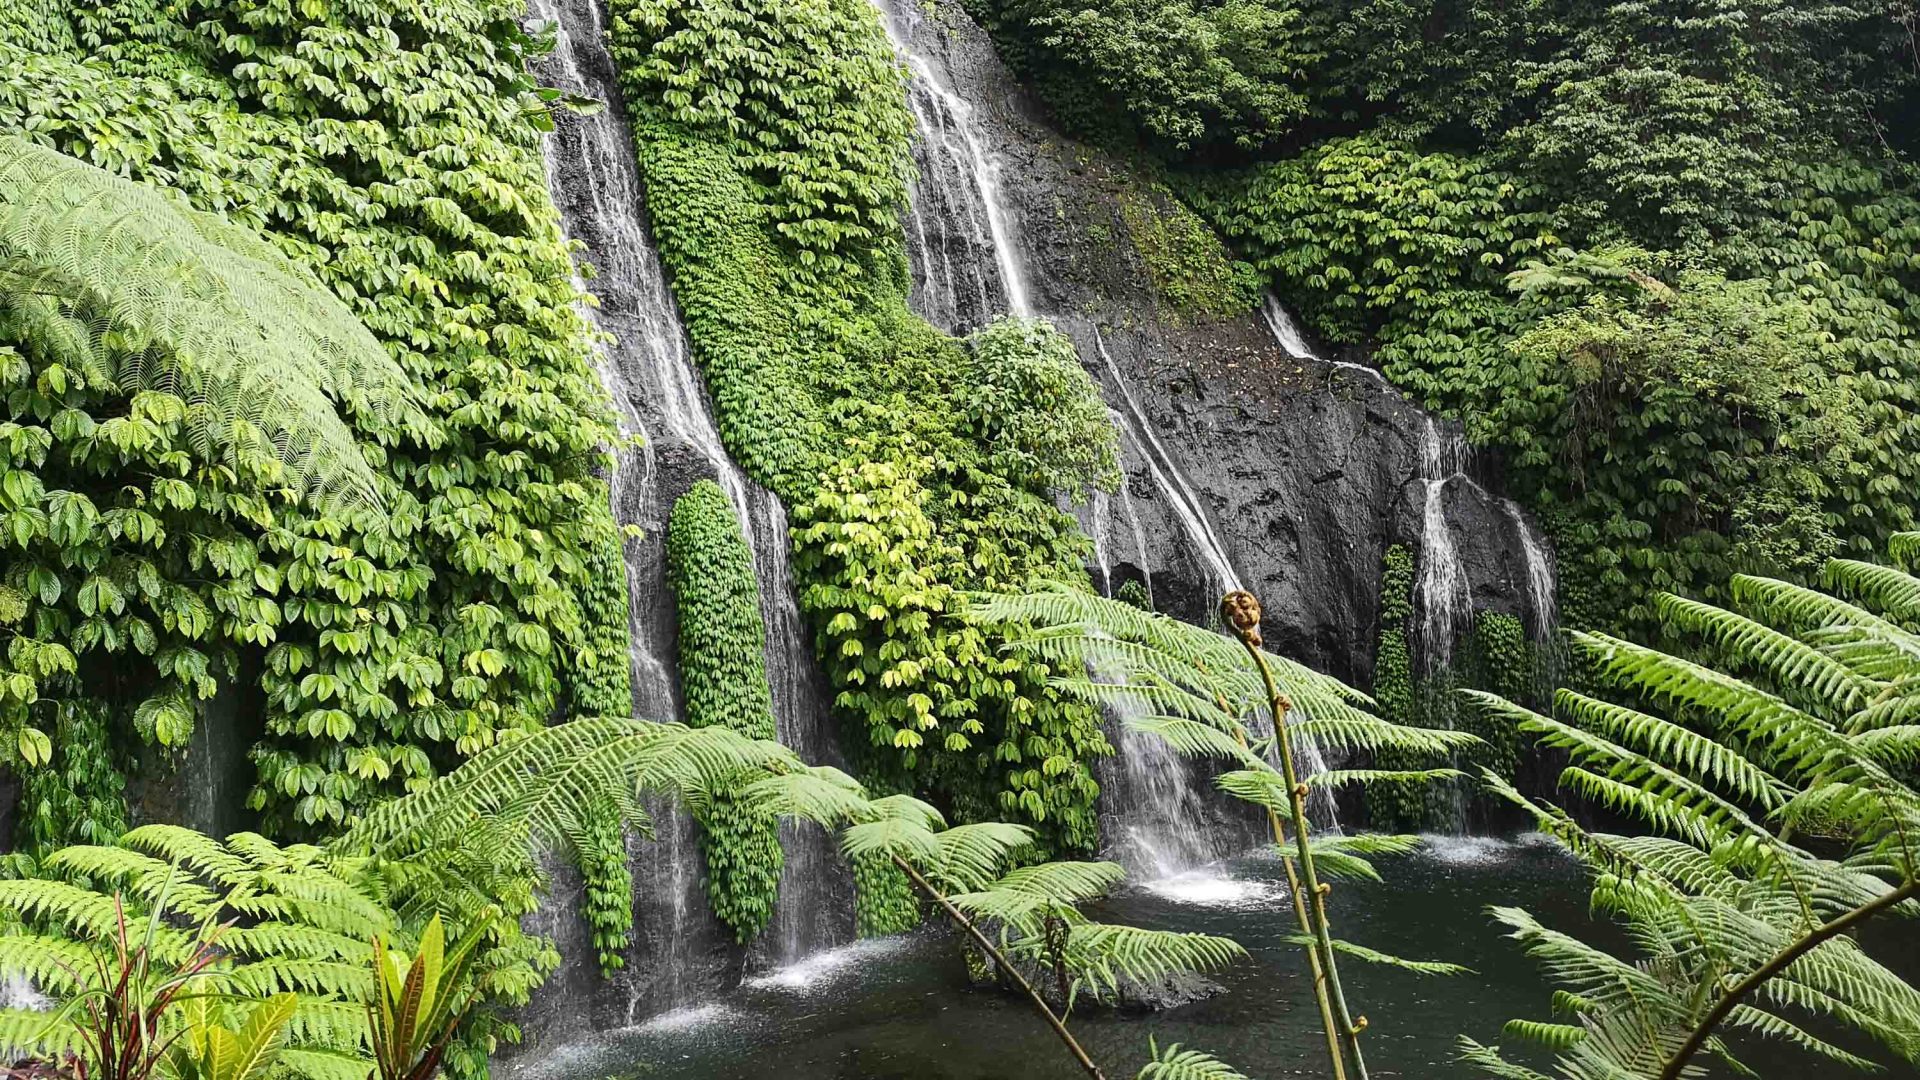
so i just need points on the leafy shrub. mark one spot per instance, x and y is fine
(1031, 404)
(1370, 236)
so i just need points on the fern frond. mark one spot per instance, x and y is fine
(1551, 1036)
(1333, 778)
(1488, 1060)
(260, 353)
(1884, 589)
(1776, 1027)
(1102, 954)
(1023, 896)
(1173, 1063)
(1374, 956)
(1798, 668)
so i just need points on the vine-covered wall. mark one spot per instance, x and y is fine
(392, 150)
(1659, 258)
(773, 138)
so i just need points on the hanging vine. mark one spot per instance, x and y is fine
(722, 650)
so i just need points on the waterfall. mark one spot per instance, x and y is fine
(1286, 333)
(957, 223)
(1444, 599)
(1136, 430)
(1099, 525)
(1160, 818)
(1542, 608)
(645, 364)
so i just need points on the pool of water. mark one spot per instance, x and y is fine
(901, 1009)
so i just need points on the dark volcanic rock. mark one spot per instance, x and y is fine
(1305, 470)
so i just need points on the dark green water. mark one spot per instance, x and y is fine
(901, 1010)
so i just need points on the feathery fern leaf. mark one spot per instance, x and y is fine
(137, 292)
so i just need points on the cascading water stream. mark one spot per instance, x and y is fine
(1443, 597)
(1542, 608)
(957, 224)
(1137, 432)
(645, 364)
(1158, 817)
(1292, 342)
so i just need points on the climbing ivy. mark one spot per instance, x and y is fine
(79, 796)
(722, 650)
(773, 139)
(1499, 660)
(392, 151)
(1396, 806)
(884, 900)
(601, 851)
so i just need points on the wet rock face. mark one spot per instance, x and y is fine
(1306, 471)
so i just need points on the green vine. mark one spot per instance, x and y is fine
(1397, 807)
(78, 797)
(723, 673)
(884, 900)
(392, 151)
(601, 851)
(1500, 660)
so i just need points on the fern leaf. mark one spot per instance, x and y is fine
(1174, 1063)
(259, 353)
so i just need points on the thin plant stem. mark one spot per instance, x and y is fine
(1243, 615)
(960, 919)
(1319, 974)
(1780, 962)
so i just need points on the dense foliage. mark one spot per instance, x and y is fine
(722, 650)
(388, 153)
(773, 140)
(1676, 239)
(1775, 791)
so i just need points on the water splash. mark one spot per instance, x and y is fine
(18, 992)
(822, 969)
(1214, 888)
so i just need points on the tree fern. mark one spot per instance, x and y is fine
(1781, 813)
(1225, 700)
(129, 291)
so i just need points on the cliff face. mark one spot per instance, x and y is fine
(1303, 470)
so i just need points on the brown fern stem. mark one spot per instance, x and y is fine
(1242, 612)
(1039, 1003)
(1781, 961)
